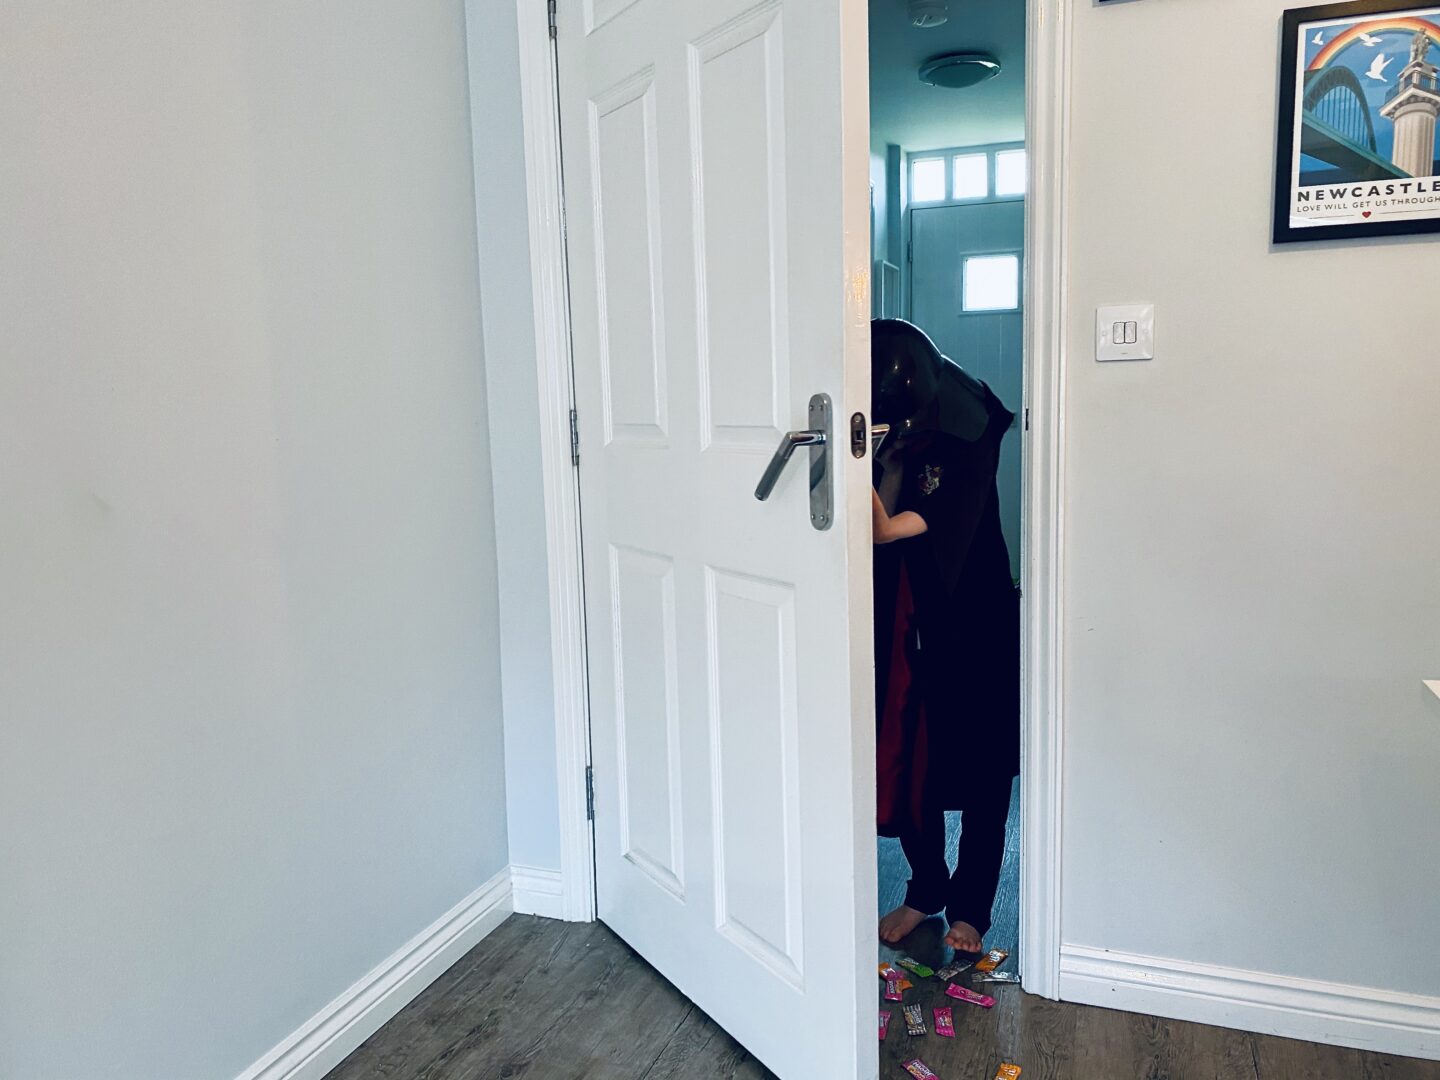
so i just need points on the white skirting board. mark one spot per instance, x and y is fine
(329, 1036)
(538, 891)
(1338, 1013)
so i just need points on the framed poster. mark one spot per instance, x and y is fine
(1359, 105)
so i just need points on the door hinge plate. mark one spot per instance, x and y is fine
(554, 29)
(574, 438)
(589, 793)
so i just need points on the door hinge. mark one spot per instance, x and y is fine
(589, 793)
(554, 29)
(574, 438)
(1027, 417)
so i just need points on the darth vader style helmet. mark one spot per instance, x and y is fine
(915, 388)
(905, 371)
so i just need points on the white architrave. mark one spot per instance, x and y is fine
(540, 117)
(1047, 108)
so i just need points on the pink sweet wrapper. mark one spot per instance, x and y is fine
(918, 1069)
(890, 971)
(893, 991)
(944, 1021)
(985, 1001)
(884, 1023)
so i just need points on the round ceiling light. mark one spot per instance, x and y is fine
(928, 13)
(955, 71)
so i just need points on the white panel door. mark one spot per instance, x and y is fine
(716, 177)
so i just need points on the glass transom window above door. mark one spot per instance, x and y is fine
(968, 175)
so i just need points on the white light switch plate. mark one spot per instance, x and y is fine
(1125, 332)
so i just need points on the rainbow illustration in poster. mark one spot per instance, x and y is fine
(1361, 109)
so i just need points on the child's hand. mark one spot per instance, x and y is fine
(886, 529)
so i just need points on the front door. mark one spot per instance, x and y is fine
(988, 343)
(715, 156)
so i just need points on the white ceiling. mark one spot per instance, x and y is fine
(905, 111)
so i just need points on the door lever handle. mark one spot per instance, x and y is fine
(817, 438)
(788, 442)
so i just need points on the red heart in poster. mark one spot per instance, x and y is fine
(1365, 214)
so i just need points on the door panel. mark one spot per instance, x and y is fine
(754, 753)
(738, 158)
(647, 715)
(716, 174)
(628, 261)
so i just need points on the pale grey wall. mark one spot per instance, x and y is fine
(530, 770)
(251, 739)
(1251, 537)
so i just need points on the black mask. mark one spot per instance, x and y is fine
(915, 389)
(904, 369)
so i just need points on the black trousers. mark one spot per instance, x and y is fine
(968, 894)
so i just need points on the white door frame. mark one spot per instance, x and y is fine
(1047, 127)
(1047, 113)
(560, 483)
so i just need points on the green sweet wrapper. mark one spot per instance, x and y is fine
(910, 964)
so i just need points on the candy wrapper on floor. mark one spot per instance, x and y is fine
(996, 977)
(918, 1069)
(890, 971)
(992, 960)
(985, 1001)
(949, 971)
(884, 1023)
(893, 990)
(1008, 1072)
(911, 964)
(944, 1021)
(914, 1020)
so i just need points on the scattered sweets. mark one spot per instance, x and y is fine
(985, 1001)
(944, 1021)
(893, 990)
(918, 1069)
(911, 964)
(890, 971)
(997, 977)
(949, 971)
(1008, 1072)
(992, 960)
(914, 1020)
(884, 1023)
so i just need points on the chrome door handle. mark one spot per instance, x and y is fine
(817, 438)
(788, 442)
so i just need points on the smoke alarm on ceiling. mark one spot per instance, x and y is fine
(928, 13)
(955, 71)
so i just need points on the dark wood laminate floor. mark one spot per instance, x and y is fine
(556, 1001)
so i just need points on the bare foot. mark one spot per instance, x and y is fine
(899, 923)
(962, 937)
